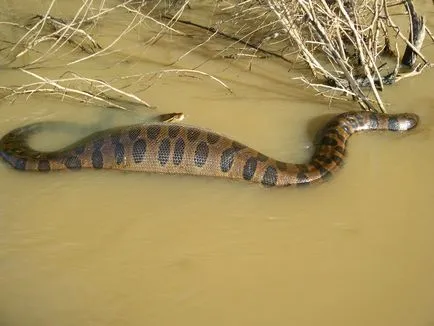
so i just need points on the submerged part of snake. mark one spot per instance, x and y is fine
(177, 149)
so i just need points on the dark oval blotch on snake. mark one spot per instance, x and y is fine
(179, 149)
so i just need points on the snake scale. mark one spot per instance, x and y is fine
(178, 149)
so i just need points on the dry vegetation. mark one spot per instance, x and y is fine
(353, 49)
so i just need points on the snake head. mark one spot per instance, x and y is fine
(407, 121)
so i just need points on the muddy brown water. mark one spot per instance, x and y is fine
(113, 248)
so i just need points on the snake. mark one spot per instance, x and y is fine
(173, 148)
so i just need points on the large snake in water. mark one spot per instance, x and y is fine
(178, 149)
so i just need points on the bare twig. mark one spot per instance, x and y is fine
(96, 90)
(192, 72)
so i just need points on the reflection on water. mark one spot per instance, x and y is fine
(113, 248)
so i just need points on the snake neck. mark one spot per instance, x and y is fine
(331, 149)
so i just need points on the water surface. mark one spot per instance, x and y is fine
(113, 248)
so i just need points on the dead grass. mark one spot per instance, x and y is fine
(352, 48)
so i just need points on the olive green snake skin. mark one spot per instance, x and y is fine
(178, 149)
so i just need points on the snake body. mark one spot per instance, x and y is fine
(179, 149)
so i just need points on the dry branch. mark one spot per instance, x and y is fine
(346, 43)
(76, 87)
